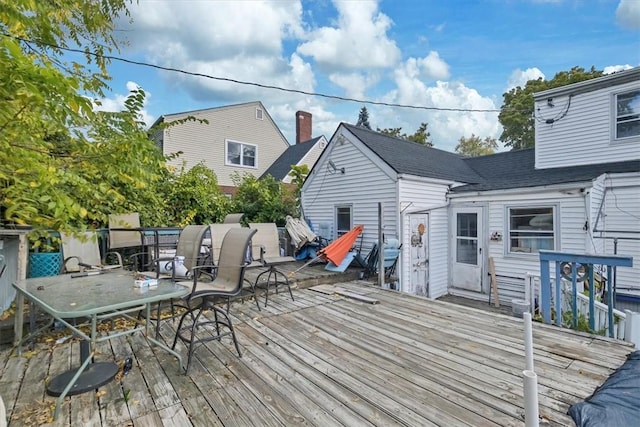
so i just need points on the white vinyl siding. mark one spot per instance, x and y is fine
(620, 218)
(511, 268)
(586, 134)
(206, 142)
(423, 195)
(362, 186)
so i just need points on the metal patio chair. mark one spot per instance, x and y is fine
(81, 253)
(266, 243)
(205, 293)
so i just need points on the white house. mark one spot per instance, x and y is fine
(578, 190)
(241, 138)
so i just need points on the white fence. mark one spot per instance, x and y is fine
(621, 330)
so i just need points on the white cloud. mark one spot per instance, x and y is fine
(434, 67)
(615, 68)
(116, 103)
(628, 14)
(237, 40)
(354, 84)
(446, 127)
(358, 41)
(520, 78)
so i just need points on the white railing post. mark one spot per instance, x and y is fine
(632, 327)
(530, 379)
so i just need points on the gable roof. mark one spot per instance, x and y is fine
(516, 169)
(407, 157)
(291, 156)
(500, 171)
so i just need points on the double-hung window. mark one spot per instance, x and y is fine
(344, 219)
(627, 114)
(531, 229)
(241, 154)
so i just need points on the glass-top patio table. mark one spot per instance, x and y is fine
(97, 297)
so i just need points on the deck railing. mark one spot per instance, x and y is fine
(567, 266)
(601, 314)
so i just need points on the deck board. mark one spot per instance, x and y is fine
(325, 359)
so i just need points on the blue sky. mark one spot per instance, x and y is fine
(429, 53)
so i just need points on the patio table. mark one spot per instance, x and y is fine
(97, 297)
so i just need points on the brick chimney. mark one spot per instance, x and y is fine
(303, 126)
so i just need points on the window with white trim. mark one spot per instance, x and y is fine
(344, 219)
(241, 154)
(531, 229)
(627, 114)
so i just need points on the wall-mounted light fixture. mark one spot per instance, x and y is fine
(550, 102)
(332, 168)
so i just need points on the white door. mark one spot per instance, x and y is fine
(418, 238)
(466, 247)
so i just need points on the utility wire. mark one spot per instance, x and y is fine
(246, 83)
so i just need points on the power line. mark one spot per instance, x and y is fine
(246, 83)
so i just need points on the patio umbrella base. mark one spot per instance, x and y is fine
(94, 376)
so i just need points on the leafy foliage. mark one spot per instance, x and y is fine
(474, 146)
(363, 118)
(517, 116)
(421, 135)
(195, 198)
(264, 200)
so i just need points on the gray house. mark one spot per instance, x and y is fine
(578, 190)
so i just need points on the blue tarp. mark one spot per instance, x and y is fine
(615, 403)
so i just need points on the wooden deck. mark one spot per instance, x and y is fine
(358, 356)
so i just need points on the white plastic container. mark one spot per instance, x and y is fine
(519, 307)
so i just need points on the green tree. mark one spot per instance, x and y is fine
(194, 197)
(517, 116)
(474, 146)
(298, 176)
(421, 135)
(363, 118)
(263, 200)
(62, 164)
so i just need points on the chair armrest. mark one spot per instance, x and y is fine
(116, 255)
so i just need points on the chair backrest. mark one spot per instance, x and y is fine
(190, 245)
(230, 273)
(124, 239)
(266, 237)
(299, 231)
(218, 231)
(232, 218)
(82, 247)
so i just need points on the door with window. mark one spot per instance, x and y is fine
(466, 247)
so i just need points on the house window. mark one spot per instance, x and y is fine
(258, 114)
(344, 219)
(531, 229)
(627, 114)
(241, 154)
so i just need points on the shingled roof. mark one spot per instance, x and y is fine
(407, 157)
(516, 169)
(500, 171)
(291, 156)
